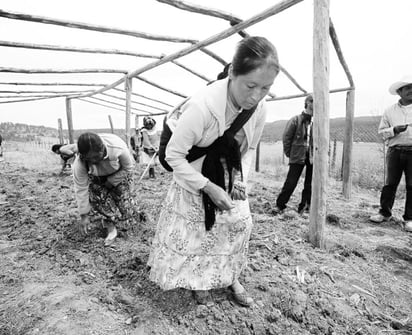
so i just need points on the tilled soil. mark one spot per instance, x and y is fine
(53, 281)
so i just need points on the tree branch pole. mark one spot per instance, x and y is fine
(288, 97)
(69, 119)
(135, 102)
(93, 27)
(60, 127)
(76, 49)
(281, 6)
(350, 112)
(321, 122)
(234, 20)
(348, 145)
(128, 87)
(111, 123)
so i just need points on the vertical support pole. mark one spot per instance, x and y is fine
(335, 142)
(257, 160)
(321, 122)
(128, 88)
(69, 119)
(384, 161)
(111, 123)
(136, 122)
(348, 145)
(60, 124)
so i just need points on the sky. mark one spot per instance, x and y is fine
(373, 35)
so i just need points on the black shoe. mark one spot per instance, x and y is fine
(276, 211)
(303, 209)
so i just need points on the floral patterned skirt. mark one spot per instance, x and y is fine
(185, 255)
(117, 204)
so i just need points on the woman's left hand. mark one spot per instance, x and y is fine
(238, 191)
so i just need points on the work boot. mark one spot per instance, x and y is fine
(151, 172)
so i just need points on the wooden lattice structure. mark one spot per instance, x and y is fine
(103, 94)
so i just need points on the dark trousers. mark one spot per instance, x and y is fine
(399, 161)
(295, 170)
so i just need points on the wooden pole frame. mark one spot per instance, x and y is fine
(69, 119)
(321, 122)
(128, 88)
(60, 128)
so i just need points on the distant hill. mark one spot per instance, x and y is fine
(365, 129)
(23, 132)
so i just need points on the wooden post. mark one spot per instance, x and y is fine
(69, 119)
(334, 154)
(321, 121)
(136, 122)
(60, 124)
(128, 88)
(257, 160)
(384, 162)
(347, 145)
(111, 123)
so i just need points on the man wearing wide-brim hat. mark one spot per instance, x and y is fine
(396, 128)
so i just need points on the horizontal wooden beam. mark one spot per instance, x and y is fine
(200, 9)
(75, 49)
(100, 104)
(87, 26)
(152, 83)
(281, 6)
(103, 105)
(135, 102)
(16, 70)
(191, 71)
(287, 97)
(145, 97)
(51, 84)
(116, 104)
(34, 99)
(225, 16)
(124, 110)
(45, 92)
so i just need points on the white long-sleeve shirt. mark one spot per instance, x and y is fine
(202, 121)
(396, 115)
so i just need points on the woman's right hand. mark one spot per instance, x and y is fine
(83, 225)
(219, 196)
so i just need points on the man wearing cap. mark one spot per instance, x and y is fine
(298, 147)
(394, 127)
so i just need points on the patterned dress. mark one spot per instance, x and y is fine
(184, 254)
(116, 205)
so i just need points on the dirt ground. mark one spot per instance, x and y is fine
(52, 281)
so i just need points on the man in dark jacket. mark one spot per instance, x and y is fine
(298, 147)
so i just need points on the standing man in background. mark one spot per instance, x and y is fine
(394, 127)
(298, 147)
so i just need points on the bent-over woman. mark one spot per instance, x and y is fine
(102, 174)
(202, 237)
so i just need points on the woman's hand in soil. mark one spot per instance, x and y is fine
(83, 225)
(219, 196)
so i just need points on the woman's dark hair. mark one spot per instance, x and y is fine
(89, 142)
(56, 147)
(224, 73)
(149, 122)
(253, 52)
